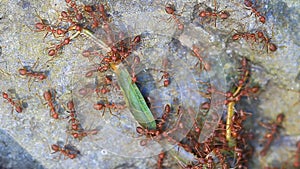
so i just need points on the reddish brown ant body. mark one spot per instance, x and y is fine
(73, 5)
(247, 36)
(274, 130)
(214, 14)
(42, 26)
(103, 106)
(255, 37)
(75, 125)
(160, 160)
(170, 9)
(18, 107)
(254, 11)
(133, 75)
(201, 61)
(164, 117)
(151, 133)
(49, 98)
(53, 51)
(30, 74)
(37, 75)
(70, 153)
(83, 133)
(270, 46)
(166, 76)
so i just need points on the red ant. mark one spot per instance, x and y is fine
(160, 160)
(67, 151)
(83, 133)
(250, 5)
(96, 18)
(101, 105)
(17, 106)
(102, 12)
(151, 133)
(159, 133)
(104, 89)
(170, 9)
(89, 54)
(102, 68)
(38, 75)
(48, 97)
(164, 117)
(75, 125)
(76, 130)
(71, 108)
(196, 52)
(255, 37)
(42, 26)
(133, 75)
(166, 76)
(53, 51)
(208, 13)
(247, 36)
(74, 6)
(28, 72)
(274, 130)
(221, 158)
(56, 32)
(66, 17)
(91, 11)
(270, 46)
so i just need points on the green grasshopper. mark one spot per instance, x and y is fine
(133, 97)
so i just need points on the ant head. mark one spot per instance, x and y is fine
(52, 52)
(262, 19)
(72, 156)
(98, 106)
(170, 8)
(202, 14)
(19, 109)
(280, 117)
(137, 39)
(248, 3)
(143, 142)
(42, 76)
(4, 95)
(55, 147)
(139, 130)
(40, 26)
(162, 155)
(47, 95)
(70, 105)
(272, 47)
(167, 108)
(224, 15)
